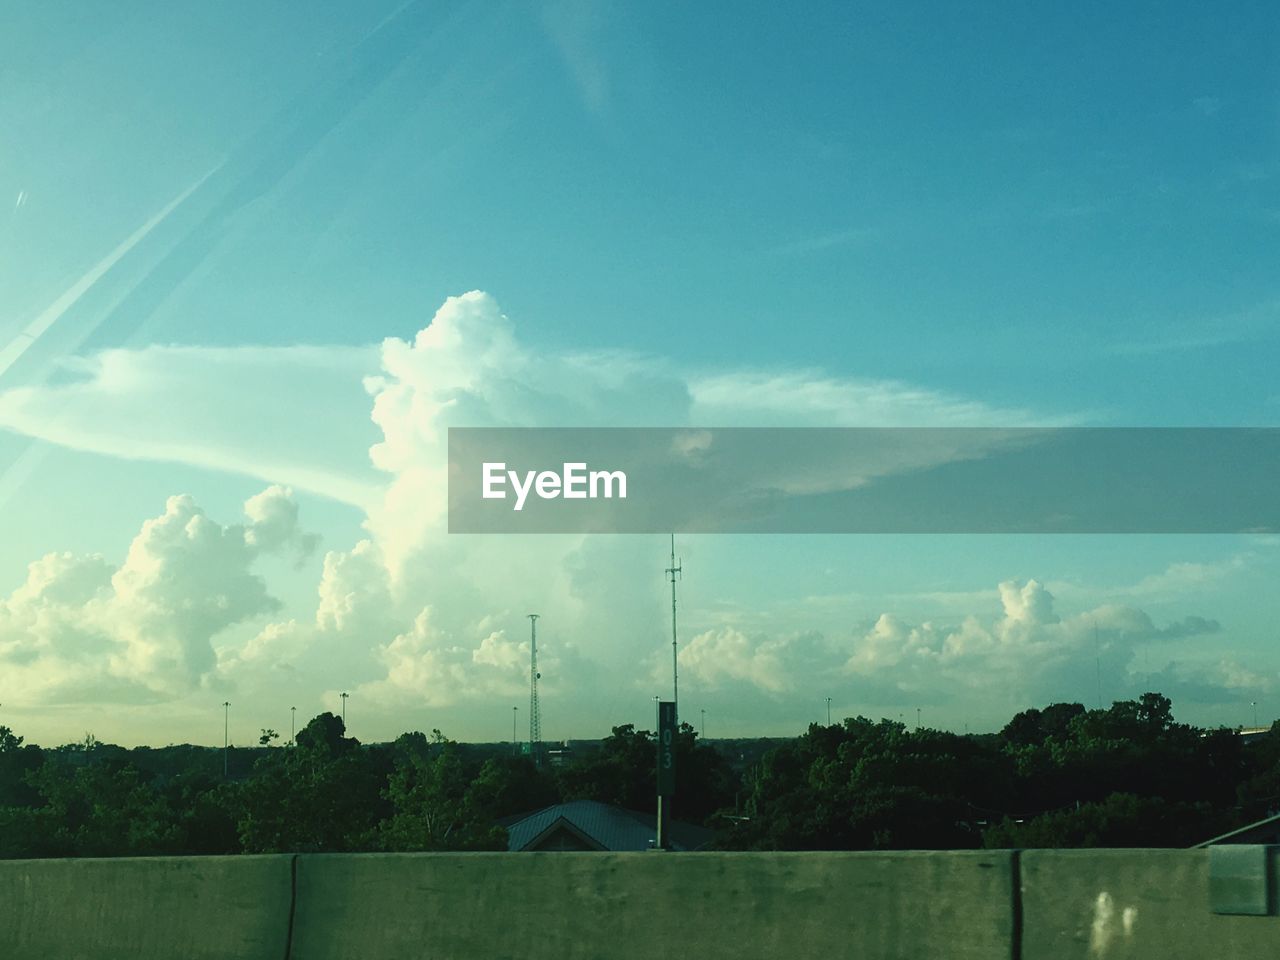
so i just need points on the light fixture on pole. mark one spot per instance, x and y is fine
(226, 721)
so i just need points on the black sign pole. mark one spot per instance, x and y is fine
(666, 768)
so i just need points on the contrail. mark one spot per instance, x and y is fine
(50, 315)
(251, 172)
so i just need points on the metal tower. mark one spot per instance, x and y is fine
(535, 720)
(673, 574)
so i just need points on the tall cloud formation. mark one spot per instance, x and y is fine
(411, 619)
(80, 629)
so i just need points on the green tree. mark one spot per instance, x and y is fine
(103, 809)
(435, 804)
(1121, 820)
(623, 772)
(865, 785)
(323, 796)
(17, 762)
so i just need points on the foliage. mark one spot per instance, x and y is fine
(1060, 775)
(623, 772)
(325, 794)
(435, 805)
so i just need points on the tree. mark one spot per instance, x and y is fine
(865, 785)
(436, 805)
(267, 736)
(16, 763)
(103, 809)
(325, 795)
(623, 772)
(1121, 820)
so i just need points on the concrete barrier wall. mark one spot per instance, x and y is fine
(530, 906)
(185, 908)
(1123, 904)
(1035, 905)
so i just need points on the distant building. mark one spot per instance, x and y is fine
(588, 825)
(560, 754)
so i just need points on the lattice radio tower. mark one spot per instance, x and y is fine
(535, 720)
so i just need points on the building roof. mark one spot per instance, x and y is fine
(598, 826)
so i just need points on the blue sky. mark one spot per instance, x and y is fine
(862, 214)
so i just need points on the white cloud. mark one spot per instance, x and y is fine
(728, 654)
(294, 415)
(1027, 654)
(410, 617)
(1021, 653)
(82, 629)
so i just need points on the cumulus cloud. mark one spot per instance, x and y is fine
(81, 628)
(375, 418)
(428, 665)
(408, 617)
(727, 654)
(1024, 652)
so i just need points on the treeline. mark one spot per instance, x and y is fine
(1053, 777)
(326, 793)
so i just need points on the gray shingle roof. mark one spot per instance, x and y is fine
(609, 828)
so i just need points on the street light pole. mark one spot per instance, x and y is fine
(226, 726)
(293, 724)
(344, 696)
(515, 746)
(703, 733)
(828, 711)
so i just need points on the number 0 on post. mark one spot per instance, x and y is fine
(666, 748)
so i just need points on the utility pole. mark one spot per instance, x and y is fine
(828, 711)
(226, 722)
(1097, 662)
(673, 574)
(535, 720)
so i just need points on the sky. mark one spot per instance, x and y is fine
(255, 261)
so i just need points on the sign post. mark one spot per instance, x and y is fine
(666, 767)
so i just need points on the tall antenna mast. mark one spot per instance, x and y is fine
(535, 721)
(674, 574)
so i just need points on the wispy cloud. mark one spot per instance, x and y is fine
(295, 415)
(1206, 106)
(1259, 322)
(817, 243)
(575, 27)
